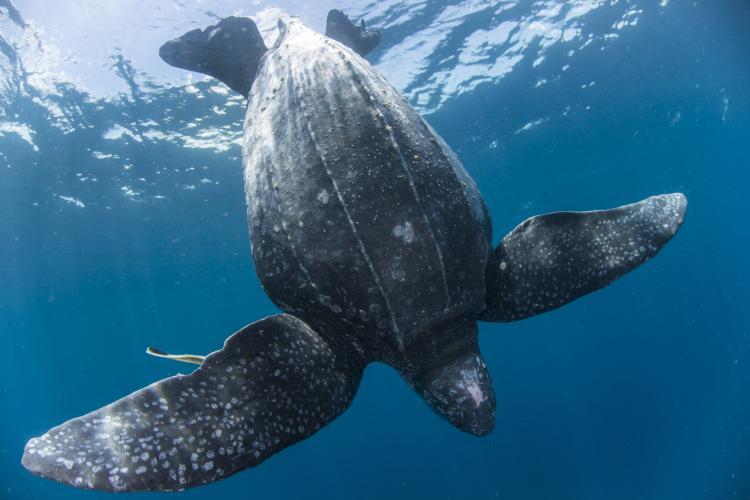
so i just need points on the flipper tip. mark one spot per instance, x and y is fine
(682, 202)
(359, 38)
(44, 460)
(671, 208)
(27, 460)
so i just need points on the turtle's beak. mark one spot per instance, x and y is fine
(181, 52)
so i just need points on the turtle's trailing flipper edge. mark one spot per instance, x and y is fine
(550, 260)
(274, 383)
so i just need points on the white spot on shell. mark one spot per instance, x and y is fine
(405, 232)
(476, 394)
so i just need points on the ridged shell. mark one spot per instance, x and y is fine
(357, 209)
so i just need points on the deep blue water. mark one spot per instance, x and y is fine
(639, 391)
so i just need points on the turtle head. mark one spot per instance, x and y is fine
(229, 51)
(181, 52)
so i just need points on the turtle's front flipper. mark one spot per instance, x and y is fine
(550, 260)
(229, 51)
(359, 38)
(274, 383)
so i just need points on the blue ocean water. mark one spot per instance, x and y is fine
(123, 226)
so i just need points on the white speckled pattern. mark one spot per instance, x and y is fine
(366, 227)
(550, 260)
(274, 383)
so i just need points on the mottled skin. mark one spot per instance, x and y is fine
(233, 412)
(372, 238)
(550, 260)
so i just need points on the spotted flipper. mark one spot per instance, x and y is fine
(274, 383)
(359, 38)
(550, 260)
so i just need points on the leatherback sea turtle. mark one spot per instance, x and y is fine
(371, 237)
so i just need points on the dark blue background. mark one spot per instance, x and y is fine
(636, 392)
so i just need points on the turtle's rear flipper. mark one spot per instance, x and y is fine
(360, 39)
(550, 260)
(229, 51)
(274, 383)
